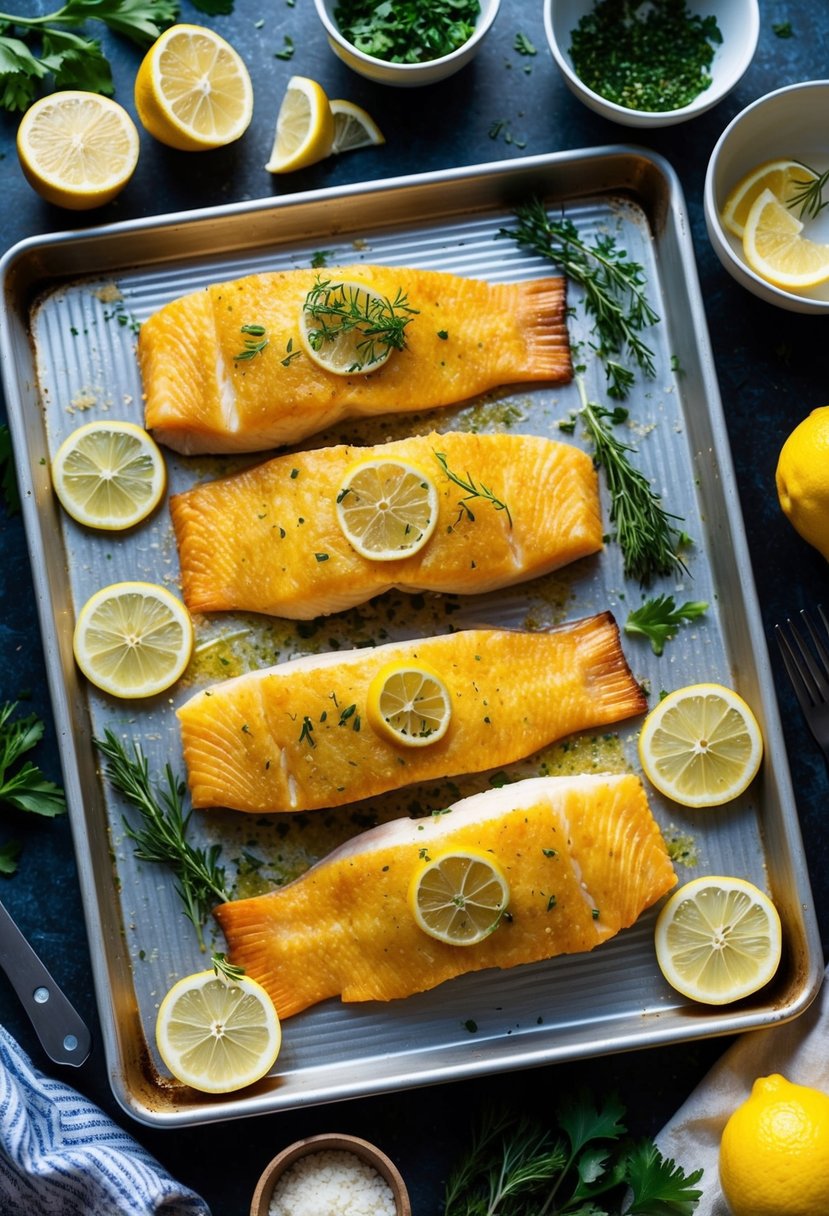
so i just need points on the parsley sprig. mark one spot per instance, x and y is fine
(37, 50)
(615, 289)
(658, 619)
(583, 1165)
(161, 836)
(24, 788)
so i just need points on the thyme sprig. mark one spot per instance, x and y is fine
(644, 529)
(472, 491)
(255, 343)
(341, 308)
(614, 287)
(162, 835)
(808, 198)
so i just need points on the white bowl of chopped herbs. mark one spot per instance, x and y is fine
(651, 63)
(406, 42)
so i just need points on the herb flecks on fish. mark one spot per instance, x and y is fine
(472, 491)
(339, 308)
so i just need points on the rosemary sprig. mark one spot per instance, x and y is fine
(161, 837)
(340, 308)
(809, 196)
(225, 970)
(254, 344)
(644, 529)
(614, 287)
(472, 491)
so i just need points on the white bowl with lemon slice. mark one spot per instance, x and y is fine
(772, 244)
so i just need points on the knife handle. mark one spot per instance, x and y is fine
(63, 1034)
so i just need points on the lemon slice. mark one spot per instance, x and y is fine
(775, 249)
(133, 639)
(785, 178)
(304, 127)
(76, 149)
(109, 475)
(459, 897)
(345, 327)
(718, 939)
(217, 1035)
(353, 127)
(408, 703)
(193, 91)
(701, 745)
(387, 509)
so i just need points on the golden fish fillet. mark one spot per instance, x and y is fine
(583, 857)
(267, 540)
(297, 736)
(468, 336)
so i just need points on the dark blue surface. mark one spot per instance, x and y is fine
(773, 368)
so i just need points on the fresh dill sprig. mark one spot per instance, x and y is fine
(808, 198)
(644, 529)
(472, 491)
(254, 344)
(614, 286)
(340, 308)
(162, 834)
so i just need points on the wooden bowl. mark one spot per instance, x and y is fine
(326, 1144)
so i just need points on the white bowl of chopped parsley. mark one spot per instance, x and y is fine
(651, 63)
(406, 42)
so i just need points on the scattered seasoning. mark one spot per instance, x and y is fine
(332, 1183)
(523, 45)
(654, 60)
(287, 49)
(782, 29)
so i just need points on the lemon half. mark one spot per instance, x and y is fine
(304, 127)
(459, 897)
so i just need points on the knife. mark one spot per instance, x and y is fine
(63, 1033)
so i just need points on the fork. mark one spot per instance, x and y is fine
(808, 669)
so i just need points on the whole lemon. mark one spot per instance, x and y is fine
(774, 1152)
(803, 479)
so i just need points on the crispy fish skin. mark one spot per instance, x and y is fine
(200, 398)
(296, 737)
(267, 539)
(583, 857)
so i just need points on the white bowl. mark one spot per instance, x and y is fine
(405, 75)
(789, 123)
(739, 24)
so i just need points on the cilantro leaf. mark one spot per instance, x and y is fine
(659, 618)
(583, 1122)
(27, 789)
(659, 1186)
(76, 63)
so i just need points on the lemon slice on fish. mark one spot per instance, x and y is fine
(409, 703)
(218, 1035)
(387, 508)
(701, 745)
(349, 329)
(718, 939)
(133, 639)
(459, 897)
(109, 475)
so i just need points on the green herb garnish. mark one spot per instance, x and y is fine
(162, 834)
(472, 491)
(579, 1165)
(287, 49)
(226, 970)
(614, 288)
(71, 61)
(523, 45)
(255, 342)
(341, 308)
(808, 198)
(407, 31)
(659, 618)
(26, 789)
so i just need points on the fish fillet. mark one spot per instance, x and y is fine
(267, 540)
(296, 737)
(468, 336)
(583, 857)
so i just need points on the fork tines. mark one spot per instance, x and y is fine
(807, 665)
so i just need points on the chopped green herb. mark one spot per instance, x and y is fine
(255, 342)
(523, 45)
(407, 31)
(659, 618)
(443, 335)
(287, 49)
(782, 29)
(306, 735)
(290, 353)
(551, 903)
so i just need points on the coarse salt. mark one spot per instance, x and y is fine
(332, 1183)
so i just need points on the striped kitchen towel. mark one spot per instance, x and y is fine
(62, 1156)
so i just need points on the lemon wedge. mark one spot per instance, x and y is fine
(701, 745)
(460, 897)
(193, 91)
(217, 1035)
(785, 178)
(387, 509)
(408, 703)
(718, 939)
(353, 127)
(776, 250)
(304, 127)
(133, 639)
(77, 150)
(109, 475)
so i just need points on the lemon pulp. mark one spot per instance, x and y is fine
(459, 897)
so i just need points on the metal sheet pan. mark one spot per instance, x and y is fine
(72, 305)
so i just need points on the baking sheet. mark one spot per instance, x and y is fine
(74, 305)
